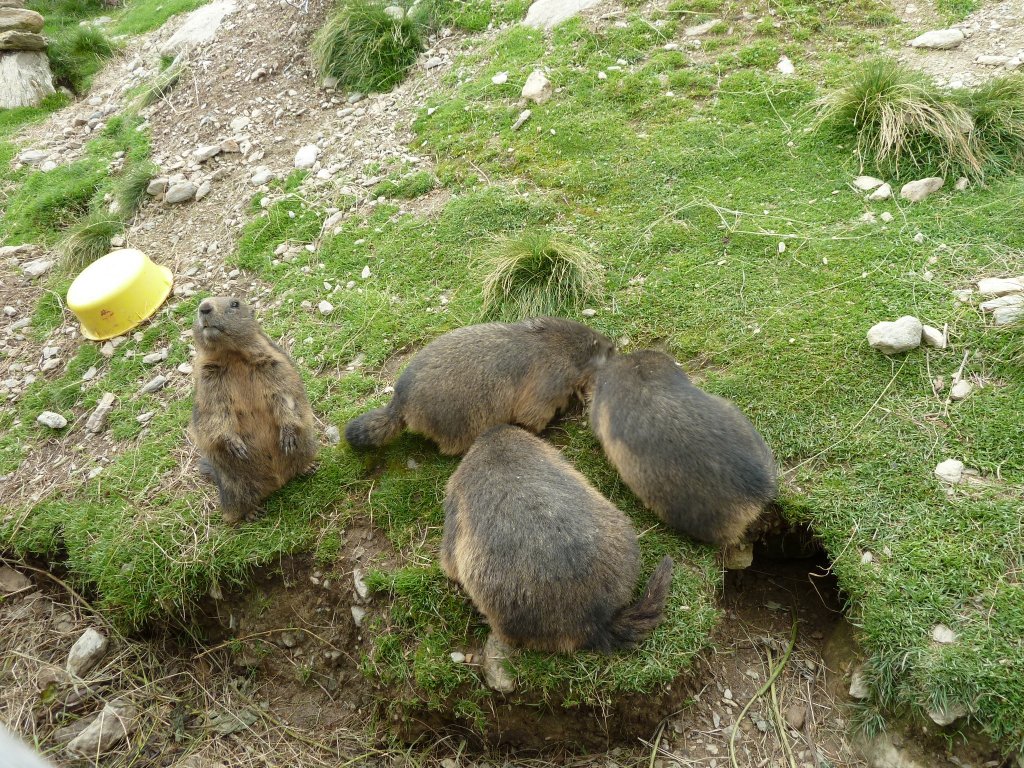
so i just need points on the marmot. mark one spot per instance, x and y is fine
(475, 377)
(251, 418)
(548, 560)
(691, 457)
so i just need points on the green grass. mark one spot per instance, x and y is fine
(683, 200)
(406, 187)
(77, 54)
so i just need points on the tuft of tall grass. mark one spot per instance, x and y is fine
(77, 54)
(997, 108)
(131, 187)
(902, 121)
(365, 48)
(536, 272)
(160, 84)
(89, 239)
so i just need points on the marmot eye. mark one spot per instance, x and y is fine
(234, 305)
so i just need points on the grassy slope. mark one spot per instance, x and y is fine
(693, 195)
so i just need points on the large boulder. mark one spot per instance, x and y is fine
(25, 79)
(20, 19)
(19, 40)
(200, 27)
(545, 14)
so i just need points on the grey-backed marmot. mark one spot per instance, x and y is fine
(251, 418)
(691, 457)
(545, 558)
(475, 377)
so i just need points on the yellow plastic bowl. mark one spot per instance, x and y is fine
(117, 292)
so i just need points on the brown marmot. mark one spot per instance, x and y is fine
(691, 457)
(475, 377)
(548, 560)
(251, 418)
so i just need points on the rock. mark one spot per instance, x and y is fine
(395, 12)
(537, 88)
(365, 274)
(199, 27)
(795, 716)
(358, 614)
(325, 307)
(230, 146)
(330, 83)
(36, 267)
(52, 420)
(180, 192)
(333, 435)
(943, 634)
(262, 176)
(144, 418)
(154, 385)
(948, 714)
(886, 217)
(107, 350)
(1010, 300)
(156, 186)
(589, 312)
(155, 357)
(203, 190)
(867, 183)
(87, 652)
(184, 368)
(991, 61)
(495, 674)
(785, 66)
(306, 156)
(916, 191)
(457, 657)
(360, 584)
(108, 729)
(11, 581)
(950, 471)
(239, 123)
(701, 29)
(898, 336)
(33, 156)
(880, 751)
(884, 192)
(98, 420)
(433, 62)
(545, 14)
(961, 390)
(962, 183)
(204, 153)
(1007, 315)
(939, 39)
(858, 685)
(20, 20)
(1000, 286)
(933, 337)
(523, 117)
(500, 79)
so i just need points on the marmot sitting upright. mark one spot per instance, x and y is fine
(549, 561)
(691, 457)
(251, 418)
(475, 377)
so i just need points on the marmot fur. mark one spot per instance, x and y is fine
(691, 457)
(251, 418)
(475, 377)
(548, 560)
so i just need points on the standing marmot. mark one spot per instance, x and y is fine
(548, 560)
(475, 377)
(691, 457)
(251, 418)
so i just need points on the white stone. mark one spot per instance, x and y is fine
(325, 307)
(358, 614)
(991, 61)
(108, 729)
(1000, 286)
(939, 39)
(262, 176)
(333, 435)
(155, 384)
(943, 634)
(155, 357)
(240, 123)
(98, 420)
(701, 29)
(1010, 300)
(947, 715)
(359, 582)
(884, 192)
(204, 153)
(86, 652)
(858, 685)
(886, 217)
(33, 156)
(36, 267)
(52, 420)
(962, 183)
(457, 657)
(898, 336)
(365, 274)
(25, 79)
(933, 337)
(523, 117)
(785, 66)
(180, 192)
(200, 27)
(589, 312)
(306, 156)
(961, 390)
(204, 189)
(395, 12)
(545, 14)
(1007, 315)
(916, 191)
(867, 183)
(500, 79)
(950, 471)
(537, 88)
(156, 186)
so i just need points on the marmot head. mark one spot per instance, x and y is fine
(223, 321)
